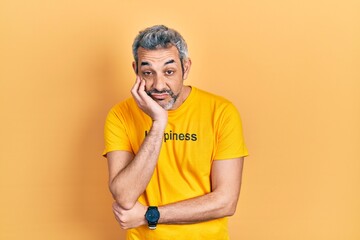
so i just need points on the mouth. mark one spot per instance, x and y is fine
(159, 96)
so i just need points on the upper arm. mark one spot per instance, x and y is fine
(117, 161)
(230, 139)
(226, 179)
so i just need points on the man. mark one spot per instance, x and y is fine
(175, 152)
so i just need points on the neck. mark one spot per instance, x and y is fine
(185, 92)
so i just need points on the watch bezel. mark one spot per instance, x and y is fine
(152, 216)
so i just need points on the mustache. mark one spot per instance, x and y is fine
(160, 92)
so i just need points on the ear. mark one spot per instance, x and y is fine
(187, 66)
(134, 67)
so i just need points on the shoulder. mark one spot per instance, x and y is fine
(124, 106)
(205, 94)
(123, 110)
(216, 101)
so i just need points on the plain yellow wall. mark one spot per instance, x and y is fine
(291, 68)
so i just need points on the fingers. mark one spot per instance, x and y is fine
(138, 91)
(118, 215)
(141, 90)
(135, 88)
(143, 100)
(148, 105)
(115, 207)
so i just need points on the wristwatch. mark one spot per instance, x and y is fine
(152, 216)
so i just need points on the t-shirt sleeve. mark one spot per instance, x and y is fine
(230, 138)
(115, 134)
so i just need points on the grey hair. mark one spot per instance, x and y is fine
(160, 36)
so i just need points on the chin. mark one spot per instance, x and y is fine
(169, 105)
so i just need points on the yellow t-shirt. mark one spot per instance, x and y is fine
(204, 128)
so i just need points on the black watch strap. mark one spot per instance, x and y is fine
(152, 226)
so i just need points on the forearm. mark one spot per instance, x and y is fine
(207, 207)
(221, 202)
(131, 181)
(204, 208)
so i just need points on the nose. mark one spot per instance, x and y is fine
(159, 83)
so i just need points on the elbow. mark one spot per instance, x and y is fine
(125, 204)
(230, 211)
(229, 207)
(123, 200)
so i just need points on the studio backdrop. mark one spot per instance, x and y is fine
(290, 67)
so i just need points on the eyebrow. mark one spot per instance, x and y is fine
(169, 62)
(149, 64)
(145, 64)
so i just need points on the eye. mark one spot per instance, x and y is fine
(146, 73)
(169, 72)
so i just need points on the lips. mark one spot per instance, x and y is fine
(159, 96)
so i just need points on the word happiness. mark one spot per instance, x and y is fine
(172, 136)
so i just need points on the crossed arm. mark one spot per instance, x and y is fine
(129, 175)
(220, 202)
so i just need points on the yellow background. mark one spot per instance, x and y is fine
(291, 68)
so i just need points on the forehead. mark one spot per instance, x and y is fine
(160, 55)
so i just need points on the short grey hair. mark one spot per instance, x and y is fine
(160, 36)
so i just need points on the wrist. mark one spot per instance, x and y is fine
(152, 216)
(159, 125)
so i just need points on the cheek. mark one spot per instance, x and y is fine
(176, 86)
(147, 86)
(147, 77)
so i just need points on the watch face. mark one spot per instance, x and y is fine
(152, 215)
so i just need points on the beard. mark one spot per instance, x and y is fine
(168, 105)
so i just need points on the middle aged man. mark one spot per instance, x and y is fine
(175, 152)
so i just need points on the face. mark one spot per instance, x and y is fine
(162, 71)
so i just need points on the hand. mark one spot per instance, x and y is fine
(146, 103)
(132, 218)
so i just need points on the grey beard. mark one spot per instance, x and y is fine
(173, 96)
